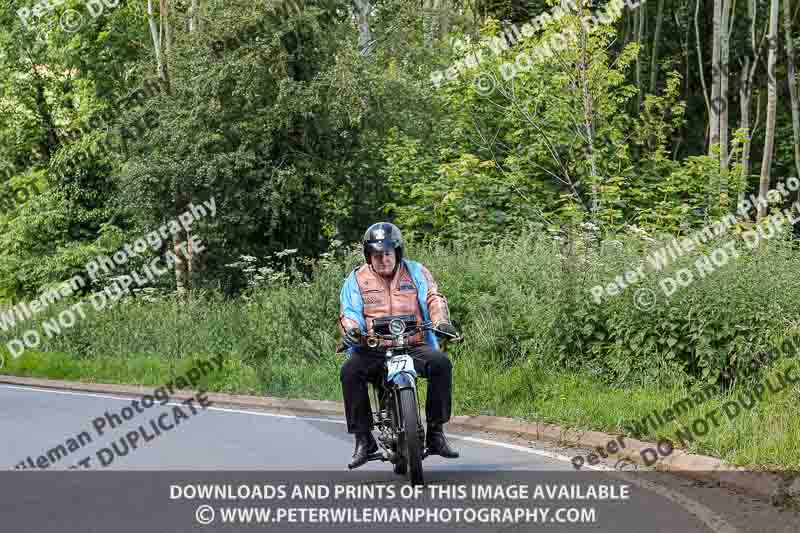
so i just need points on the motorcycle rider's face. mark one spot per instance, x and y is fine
(383, 262)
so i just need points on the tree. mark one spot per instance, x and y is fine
(751, 61)
(716, 83)
(654, 54)
(792, 82)
(772, 98)
(728, 17)
(363, 10)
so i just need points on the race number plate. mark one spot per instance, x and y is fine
(401, 363)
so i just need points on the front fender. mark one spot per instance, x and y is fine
(403, 380)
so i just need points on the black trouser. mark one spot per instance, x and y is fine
(364, 367)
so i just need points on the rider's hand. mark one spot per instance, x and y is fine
(353, 337)
(447, 328)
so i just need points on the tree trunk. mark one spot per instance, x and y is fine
(435, 19)
(628, 28)
(654, 60)
(772, 100)
(160, 35)
(191, 258)
(588, 120)
(700, 60)
(166, 26)
(745, 93)
(685, 82)
(792, 80)
(654, 55)
(181, 248)
(157, 35)
(194, 16)
(363, 9)
(716, 103)
(639, 39)
(685, 50)
(716, 40)
(727, 24)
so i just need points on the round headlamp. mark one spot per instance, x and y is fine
(396, 327)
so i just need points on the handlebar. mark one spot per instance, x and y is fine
(409, 332)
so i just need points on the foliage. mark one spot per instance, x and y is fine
(304, 139)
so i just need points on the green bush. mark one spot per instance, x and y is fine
(725, 322)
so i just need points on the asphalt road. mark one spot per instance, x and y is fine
(114, 486)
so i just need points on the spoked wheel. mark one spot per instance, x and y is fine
(410, 444)
(400, 467)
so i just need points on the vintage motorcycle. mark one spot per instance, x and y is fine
(397, 419)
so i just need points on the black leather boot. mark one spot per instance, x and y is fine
(365, 445)
(437, 444)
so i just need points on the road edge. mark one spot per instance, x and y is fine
(766, 485)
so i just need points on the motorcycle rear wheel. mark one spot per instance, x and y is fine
(410, 442)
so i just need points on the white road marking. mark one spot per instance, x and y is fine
(711, 519)
(543, 453)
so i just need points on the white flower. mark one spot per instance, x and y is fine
(286, 252)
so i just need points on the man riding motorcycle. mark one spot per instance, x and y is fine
(388, 285)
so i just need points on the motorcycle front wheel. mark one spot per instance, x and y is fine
(410, 442)
(400, 467)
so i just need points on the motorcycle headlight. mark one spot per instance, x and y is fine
(396, 327)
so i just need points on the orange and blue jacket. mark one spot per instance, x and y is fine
(366, 296)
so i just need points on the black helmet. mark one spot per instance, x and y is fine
(383, 236)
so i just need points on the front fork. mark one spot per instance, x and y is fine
(406, 381)
(388, 416)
